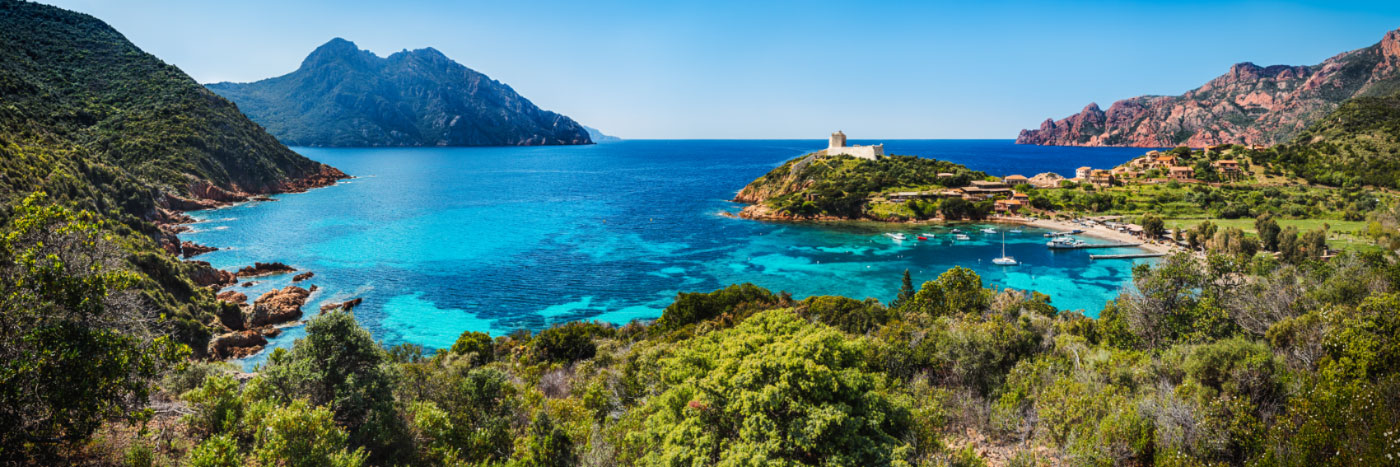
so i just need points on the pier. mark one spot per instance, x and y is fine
(1128, 256)
(1095, 245)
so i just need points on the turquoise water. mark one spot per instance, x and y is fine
(442, 240)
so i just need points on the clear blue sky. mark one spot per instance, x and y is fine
(759, 69)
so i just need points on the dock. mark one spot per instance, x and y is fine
(1095, 245)
(1128, 256)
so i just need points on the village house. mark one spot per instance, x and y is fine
(982, 190)
(1180, 173)
(1082, 173)
(1014, 180)
(1101, 177)
(837, 146)
(1008, 206)
(1022, 197)
(1166, 161)
(1228, 166)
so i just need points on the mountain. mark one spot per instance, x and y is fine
(1248, 105)
(347, 97)
(93, 121)
(598, 137)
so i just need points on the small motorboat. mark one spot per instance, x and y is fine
(926, 234)
(962, 237)
(1014, 231)
(922, 238)
(1064, 243)
(956, 230)
(896, 236)
(989, 230)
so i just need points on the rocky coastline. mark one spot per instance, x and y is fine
(247, 326)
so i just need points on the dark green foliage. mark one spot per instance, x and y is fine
(339, 365)
(476, 344)
(734, 300)
(569, 342)
(849, 315)
(75, 349)
(344, 96)
(959, 290)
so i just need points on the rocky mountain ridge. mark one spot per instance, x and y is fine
(342, 96)
(1248, 105)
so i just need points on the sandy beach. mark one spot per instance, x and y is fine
(1097, 231)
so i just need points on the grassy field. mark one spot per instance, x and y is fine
(1342, 234)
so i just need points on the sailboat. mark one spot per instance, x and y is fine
(1004, 260)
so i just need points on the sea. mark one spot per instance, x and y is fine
(438, 241)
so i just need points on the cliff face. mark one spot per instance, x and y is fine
(344, 96)
(1248, 105)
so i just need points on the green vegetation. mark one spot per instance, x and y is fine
(1235, 360)
(95, 123)
(844, 187)
(1357, 144)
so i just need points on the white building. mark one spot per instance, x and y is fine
(838, 146)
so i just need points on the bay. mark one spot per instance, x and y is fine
(442, 240)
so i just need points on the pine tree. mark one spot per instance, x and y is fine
(906, 291)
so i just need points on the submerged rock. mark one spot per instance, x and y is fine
(303, 276)
(343, 306)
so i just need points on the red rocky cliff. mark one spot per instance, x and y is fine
(1248, 105)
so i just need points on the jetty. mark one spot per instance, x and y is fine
(1095, 245)
(1128, 256)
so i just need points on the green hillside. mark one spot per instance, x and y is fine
(90, 119)
(1357, 144)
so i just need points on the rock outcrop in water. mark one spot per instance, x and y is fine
(264, 269)
(347, 97)
(1248, 105)
(278, 306)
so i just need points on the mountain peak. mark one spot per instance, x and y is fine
(336, 50)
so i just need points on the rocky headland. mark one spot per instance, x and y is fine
(1249, 105)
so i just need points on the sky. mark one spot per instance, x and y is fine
(755, 69)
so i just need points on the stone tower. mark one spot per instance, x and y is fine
(838, 140)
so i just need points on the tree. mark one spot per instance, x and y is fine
(339, 365)
(906, 291)
(548, 445)
(1152, 225)
(1268, 231)
(773, 390)
(75, 348)
(957, 290)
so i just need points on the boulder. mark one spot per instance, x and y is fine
(205, 275)
(236, 344)
(233, 296)
(278, 306)
(303, 276)
(189, 249)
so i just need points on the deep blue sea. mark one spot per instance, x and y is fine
(442, 240)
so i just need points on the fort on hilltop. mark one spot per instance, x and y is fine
(837, 146)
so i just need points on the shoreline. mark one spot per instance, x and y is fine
(1097, 231)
